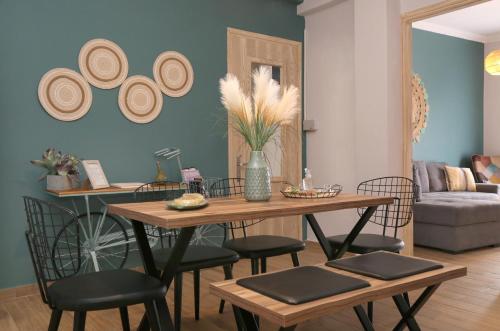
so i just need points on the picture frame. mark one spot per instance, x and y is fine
(95, 173)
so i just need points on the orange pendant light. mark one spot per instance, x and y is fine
(492, 63)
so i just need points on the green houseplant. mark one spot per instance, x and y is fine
(62, 170)
(257, 119)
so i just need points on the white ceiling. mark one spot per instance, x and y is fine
(479, 23)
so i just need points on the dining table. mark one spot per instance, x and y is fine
(226, 210)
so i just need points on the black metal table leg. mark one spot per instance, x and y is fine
(408, 313)
(354, 232)
(245, 320)
(169, 271)
(363, 318)
(180, 247)
(320, 235)
(330, 253)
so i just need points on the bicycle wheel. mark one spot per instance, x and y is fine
(208, 235)
(104, 242)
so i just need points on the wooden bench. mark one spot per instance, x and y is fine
(247, 303)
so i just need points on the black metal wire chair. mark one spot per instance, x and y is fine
(55, 237)
(394, 217)
(391, 217)
(197, 257)
(258, 247)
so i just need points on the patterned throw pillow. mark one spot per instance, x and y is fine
(487, 168)
(459, 179)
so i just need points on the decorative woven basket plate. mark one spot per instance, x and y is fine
(173, 73)
(64, 94)
(318, 193)
(103, 63)
(420, 107)
(140, 99)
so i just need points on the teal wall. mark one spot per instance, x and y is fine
(452, 72)
(37, 35)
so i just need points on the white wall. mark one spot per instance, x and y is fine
(352, 65)
(353, 92)
(409, 5)
(491, 108)
(329, 90)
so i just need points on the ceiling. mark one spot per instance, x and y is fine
(479, 23)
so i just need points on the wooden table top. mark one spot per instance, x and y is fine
(237, 208)
(89, 191)
(287, 315)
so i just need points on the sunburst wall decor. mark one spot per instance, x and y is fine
(420, 107)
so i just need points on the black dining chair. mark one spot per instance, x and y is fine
(256, 247)
(390, 218)
(196, 258)
(57, 242)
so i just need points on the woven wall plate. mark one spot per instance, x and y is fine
(64, 94)
(140, 99)
(420, 107)
(103, 63)
(173, 73)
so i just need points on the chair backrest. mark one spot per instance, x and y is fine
(232, 187)
(54, 239)
(393, 216)
(160, 191)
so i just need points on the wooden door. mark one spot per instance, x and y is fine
(246, 51)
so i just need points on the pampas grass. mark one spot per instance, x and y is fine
(258, 118)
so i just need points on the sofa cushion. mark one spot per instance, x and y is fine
(437, 179)
(459, 179)
(460, 196)
(488, 188)
(423, 178)
(456, 212)
(418, 184)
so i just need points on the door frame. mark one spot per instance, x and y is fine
(407, 19)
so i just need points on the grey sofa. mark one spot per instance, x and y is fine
(453, 221)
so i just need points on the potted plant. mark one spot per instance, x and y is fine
(257, 119)
(62, 171)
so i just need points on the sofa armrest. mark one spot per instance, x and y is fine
(488, 188)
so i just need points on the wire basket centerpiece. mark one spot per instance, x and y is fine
(327, 191)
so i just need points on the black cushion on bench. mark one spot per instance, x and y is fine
(302, 284)
(384, 265)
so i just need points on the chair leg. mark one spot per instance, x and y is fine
(370, 311)
(124, 318)
(263, 265)
(55, 319)
(79, 321)
(152, 317)
(165, 322)
(228, 274)
(255, 266)
(178, 301)
(295, 259)
(196, 284)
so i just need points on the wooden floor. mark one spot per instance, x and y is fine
(466, 304)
